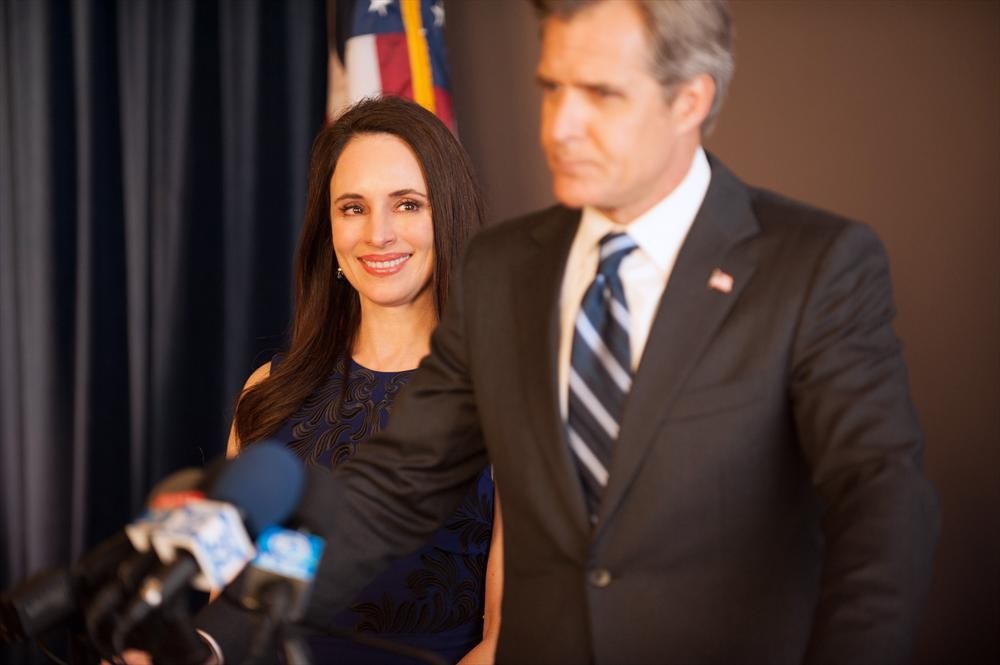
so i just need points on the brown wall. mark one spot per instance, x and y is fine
(885, 111)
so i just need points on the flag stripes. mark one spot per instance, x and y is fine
(390, 47)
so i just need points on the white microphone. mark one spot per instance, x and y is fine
(207, 542)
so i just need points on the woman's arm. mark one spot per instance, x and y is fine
(485, 652)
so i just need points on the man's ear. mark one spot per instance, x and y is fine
(692, 102)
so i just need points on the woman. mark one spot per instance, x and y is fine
(392, 201)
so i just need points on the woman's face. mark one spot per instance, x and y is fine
(380, 216)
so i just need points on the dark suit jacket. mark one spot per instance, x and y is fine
(765, 501)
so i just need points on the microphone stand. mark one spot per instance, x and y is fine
(275, 602)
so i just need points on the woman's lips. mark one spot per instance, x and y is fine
(383, 264)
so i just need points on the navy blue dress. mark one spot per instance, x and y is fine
(431, 599)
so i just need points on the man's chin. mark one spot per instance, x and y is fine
(573, 194)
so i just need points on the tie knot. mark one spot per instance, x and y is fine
(614, 248)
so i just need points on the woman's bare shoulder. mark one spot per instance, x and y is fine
(258, 375)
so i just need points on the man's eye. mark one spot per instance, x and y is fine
(547, 86)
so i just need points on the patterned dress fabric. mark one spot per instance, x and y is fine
(432, 599)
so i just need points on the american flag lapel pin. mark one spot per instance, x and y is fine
(720, 281)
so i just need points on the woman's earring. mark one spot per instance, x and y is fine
(340, 273)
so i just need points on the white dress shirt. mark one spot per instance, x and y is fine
(659, 233)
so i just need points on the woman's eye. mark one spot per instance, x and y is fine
(351, 209)
(409, 205)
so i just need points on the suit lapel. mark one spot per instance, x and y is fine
(538, 284)
(687, 318)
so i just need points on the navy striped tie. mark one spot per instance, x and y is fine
(600, 372)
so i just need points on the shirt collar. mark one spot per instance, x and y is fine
(660, 230)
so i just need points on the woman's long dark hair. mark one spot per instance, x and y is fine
(327, 310)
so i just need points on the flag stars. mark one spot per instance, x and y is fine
(437, 9)
(380, 6)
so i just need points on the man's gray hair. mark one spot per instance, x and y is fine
(688, 38)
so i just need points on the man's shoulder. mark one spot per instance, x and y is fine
(772, 207)
(534, 221)
(541, 226)
(778, 213)
(813, 231)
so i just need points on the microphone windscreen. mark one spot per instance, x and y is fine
(265, 482)
(41, 601)
(211, 472)
(184, 480)
(99, 564)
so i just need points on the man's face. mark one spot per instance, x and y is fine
(609, 135)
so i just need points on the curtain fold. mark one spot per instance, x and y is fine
(152, 180)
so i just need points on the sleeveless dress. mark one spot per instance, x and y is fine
(432, 599)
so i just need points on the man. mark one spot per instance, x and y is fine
(714, 458)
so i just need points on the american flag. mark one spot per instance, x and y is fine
(389, 47)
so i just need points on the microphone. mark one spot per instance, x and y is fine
(50, 598)
(54, 597)
(286, 560)
(172, 492)
(169, 638)
(175, 490)
(277, 584)
(207, 542)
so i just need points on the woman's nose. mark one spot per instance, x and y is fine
(380, 228)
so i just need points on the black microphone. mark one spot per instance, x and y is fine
(175, 490)
(55, 597)
(167, 635)
(206, 543)
(277, 584)
(51, 598)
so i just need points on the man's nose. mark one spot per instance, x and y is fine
(567, 115)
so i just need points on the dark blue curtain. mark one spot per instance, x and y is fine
(152, 181)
